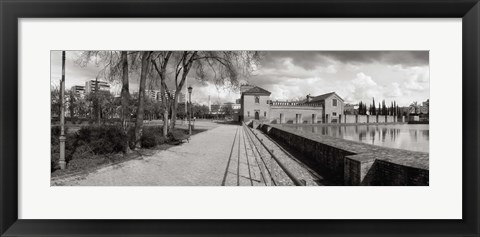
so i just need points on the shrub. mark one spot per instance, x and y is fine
(176, 134)
(82, 152)
(131, 137)
(55, 131)
(91, 142)
(152, 136)
(102, 139)
(54, 162)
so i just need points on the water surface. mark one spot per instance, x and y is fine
(413, 137)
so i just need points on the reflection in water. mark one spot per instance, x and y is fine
(414, 137)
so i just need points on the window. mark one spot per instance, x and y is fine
(334, 102)
(265, 114)
(248, 113)
(257, 99)
(334, 114)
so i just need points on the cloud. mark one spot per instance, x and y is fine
(393, 91)
(310, 60)
(307, 60)
(405, 58)
(363, 88)
(218, 94)
(294, 88)
(416, 78)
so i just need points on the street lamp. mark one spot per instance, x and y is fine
(62, 163)
(190, 114)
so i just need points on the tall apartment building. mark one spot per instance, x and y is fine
(78, 90)
(153, 94)
(181, 96)
(91, 85)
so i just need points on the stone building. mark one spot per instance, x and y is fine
(256, 105)
(295, 112)
(333, 106)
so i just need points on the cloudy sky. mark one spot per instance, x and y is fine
(356, 76)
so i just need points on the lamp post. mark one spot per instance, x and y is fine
(62, 161)
(190, 114)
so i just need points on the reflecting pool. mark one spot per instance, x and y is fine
(413, 137)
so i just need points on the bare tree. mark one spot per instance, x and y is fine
(145, 67)
(96, 102)
(219, 67)
(163, 58)
(125, 94)
(114, 66)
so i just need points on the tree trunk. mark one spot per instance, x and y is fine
(186, 68)
(165, 112)
(72, 104)
(141, 96)
(97, 101)
(174, 110)
(125, 94)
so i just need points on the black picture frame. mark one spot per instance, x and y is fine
(11, 11)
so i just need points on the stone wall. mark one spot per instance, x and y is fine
(381, 118)
(362, 118)
(389, 119)
(350, 118)
(353, 163)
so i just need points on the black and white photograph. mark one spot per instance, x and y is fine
(239, 118)
(233, 118)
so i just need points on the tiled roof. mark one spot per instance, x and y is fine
(257, 90)
(323, 97)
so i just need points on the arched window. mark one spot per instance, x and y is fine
(257, 99)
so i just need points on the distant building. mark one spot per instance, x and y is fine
(215, 108)
(232, 108)
(181, 96)
(78, 91)
(350, 108)
(91, 85)
(424, 108)
(152, 94)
